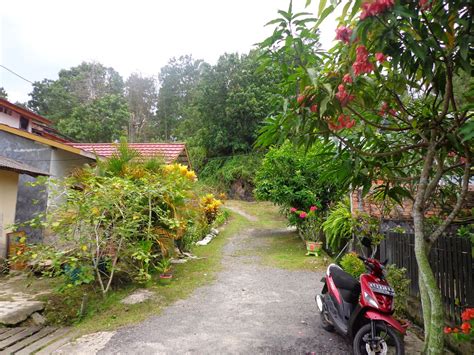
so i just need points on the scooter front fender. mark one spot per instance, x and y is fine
(387, 319)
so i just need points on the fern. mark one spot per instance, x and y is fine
(339, 225)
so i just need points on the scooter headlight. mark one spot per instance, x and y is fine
(370, 300)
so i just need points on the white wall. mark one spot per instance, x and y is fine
(12, 120)
(63, 164)
(8, 194)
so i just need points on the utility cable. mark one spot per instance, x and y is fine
(18, 75)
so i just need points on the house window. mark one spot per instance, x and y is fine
(24, 123)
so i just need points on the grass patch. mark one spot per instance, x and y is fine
(287, 251)
(266, 212)
(108, 313)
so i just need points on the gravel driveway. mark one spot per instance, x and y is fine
(250, 309)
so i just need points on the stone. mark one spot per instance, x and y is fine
(38, 319)
(214, 231)
(87, 344)
(138, 296)
(12, 313)
(178, 261)
(207, 239)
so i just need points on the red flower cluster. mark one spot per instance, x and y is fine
(386, 109)
(293, 210)
(343, 34)
(313, 208)
(343, 96)
(347, 78)
(425, 5)
(380, 57)
(362, 64)
(375, 7)
(467, 316)
(344, 121)
(303, 215)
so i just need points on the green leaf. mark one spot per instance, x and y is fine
(323, 16)
(322, 5)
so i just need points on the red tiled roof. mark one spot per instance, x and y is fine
(169, 151)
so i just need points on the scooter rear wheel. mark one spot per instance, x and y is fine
(387, 341)
(325, 323)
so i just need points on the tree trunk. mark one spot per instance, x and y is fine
(430, 294)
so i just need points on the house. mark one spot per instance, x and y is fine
(15, 116)
(170, 152)
(10, 171)
(29, 139)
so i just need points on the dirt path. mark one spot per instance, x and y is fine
(250, 309)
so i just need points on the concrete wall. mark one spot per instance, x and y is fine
(31, 200)
(8, 197)
(63, 164)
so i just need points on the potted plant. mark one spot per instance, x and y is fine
(310, 230)
(164, 268)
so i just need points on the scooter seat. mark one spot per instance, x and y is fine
(344, 280)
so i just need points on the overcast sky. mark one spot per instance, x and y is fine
(40, 37)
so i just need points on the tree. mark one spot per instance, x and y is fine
(141, 95)
(177, 82)
(3, 93)
(230, 102)
(78, 89)
(386, 93)
(102, 120)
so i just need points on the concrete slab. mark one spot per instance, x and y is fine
(14, 312)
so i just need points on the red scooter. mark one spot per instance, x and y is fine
(361, 310)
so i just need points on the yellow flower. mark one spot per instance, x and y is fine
(84, 248)
(191, 175)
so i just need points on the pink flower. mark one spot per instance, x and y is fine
(347, 79)
(362, 64)
(375, 7)
(380, 57)
(344, 122)
(303, 215)
(425, 5)
(313, 208)
(463, 160)
(292, 210)
(314, 108)
(343, 34)
(343, 96)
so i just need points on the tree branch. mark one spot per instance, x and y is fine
(401, 129)
(464, 188)
(378, 155)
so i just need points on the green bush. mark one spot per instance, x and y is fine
(221, 173)
(353, 265)
(121, 217)
(397, 278)
(292, 177)
(339, 225)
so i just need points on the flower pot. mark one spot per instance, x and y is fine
(165, 279)
(313, 248)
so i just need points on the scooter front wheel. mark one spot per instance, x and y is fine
(386, 341)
